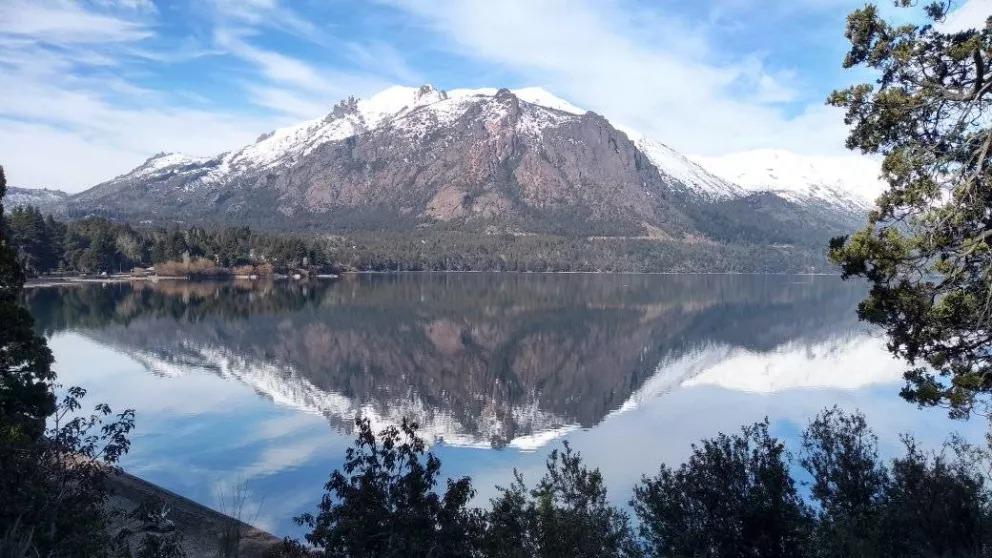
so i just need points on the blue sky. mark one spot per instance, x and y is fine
(92, 88)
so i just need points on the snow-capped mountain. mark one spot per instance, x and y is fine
(849, 182)
(404, 109)
(521, 160)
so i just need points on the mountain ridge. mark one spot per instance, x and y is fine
(522, 161)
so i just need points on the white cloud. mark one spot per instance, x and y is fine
(264, 13)
(652, 73)
(970, 15)
(77, 117)
(273, 65)
(63, 22)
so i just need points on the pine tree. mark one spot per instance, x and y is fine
(927, 247)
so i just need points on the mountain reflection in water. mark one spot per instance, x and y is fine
(479, 360)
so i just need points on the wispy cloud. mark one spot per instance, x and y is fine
(264, 13)
(273, 65)
(291, 86)
(76, 117)
(386, 59)
(64, 22)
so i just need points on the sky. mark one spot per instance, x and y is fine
(92, 88)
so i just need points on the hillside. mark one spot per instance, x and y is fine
(43, 198)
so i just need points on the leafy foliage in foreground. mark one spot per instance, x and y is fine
(566, 514)
(927, 247)
(735, 496)
(383, 503)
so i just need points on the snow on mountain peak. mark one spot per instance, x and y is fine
(164, 160)
(352, 116)
(533, 95)
(395, 100)
(848, 180)
(539, 96)
(673, 164)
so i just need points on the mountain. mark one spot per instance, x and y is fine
(42, 198)
(521, 161)
(801, 179)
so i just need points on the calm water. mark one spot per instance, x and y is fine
(260, 383)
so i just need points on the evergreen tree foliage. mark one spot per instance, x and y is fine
(736, 495)
(926, 249)
(922, 504)
(96, 245)
(29, 232)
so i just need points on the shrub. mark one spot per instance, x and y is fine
(567, 514)
(196, 268)
(733, 497)
(383, 503)
(849, 482)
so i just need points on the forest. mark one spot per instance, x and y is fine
(96, 245)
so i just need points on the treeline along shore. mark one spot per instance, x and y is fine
(95, 245)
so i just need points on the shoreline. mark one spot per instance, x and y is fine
(71, 280)
(200, 526)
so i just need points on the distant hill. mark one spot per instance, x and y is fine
(42, 198)
(521, 161)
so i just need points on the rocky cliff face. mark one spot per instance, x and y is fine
(520, 161)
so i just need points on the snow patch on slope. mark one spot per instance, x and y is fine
(674, 165)
(533, 95)
(162, 161)
(790, 366)
(286, 387)
(847, 181)
(800, 366)
(351, 117)
(38, 197)
(539, 96)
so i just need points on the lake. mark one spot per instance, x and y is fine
(260, 382)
